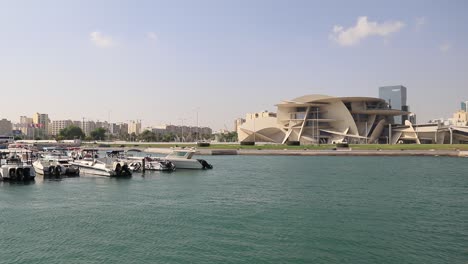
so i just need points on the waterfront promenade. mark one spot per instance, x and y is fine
(307, 152)
(229, 148)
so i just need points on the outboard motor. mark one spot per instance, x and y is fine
(51, 170)
(58, 171)
(19, 174)
(167, 165)
(26, 174)
(205, 164)
(126, 171)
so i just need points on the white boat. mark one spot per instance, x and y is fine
(135, 163)
(182, 159)
(16, 166)
(54, 163)
(158, 164)
(89, 163)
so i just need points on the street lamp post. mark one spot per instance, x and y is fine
(182, 127)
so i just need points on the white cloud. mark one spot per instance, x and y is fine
(101, 40)
(362, 30)
(152, 36)
(420, 22)
(445, 47)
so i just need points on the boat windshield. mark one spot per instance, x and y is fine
(182, 154)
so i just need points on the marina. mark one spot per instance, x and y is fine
(23, 162)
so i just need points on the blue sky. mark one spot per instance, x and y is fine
(159, 61)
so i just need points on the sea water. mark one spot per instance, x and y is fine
(248, 209)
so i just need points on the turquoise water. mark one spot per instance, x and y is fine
(248, 209)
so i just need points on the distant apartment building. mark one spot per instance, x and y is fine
(396, 97)
(100, 124)
(123, 127)
(77, 123)
(88, 127)
(41, 120)
(184, 133)
(460, 118)
(464, 106)
(26, 126)
(134, 127)
(114, 129)
(41, 125)
(58, 125)
(6, 128)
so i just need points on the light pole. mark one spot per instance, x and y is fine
(182, 127)
(198, 128)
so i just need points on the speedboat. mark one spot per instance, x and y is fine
(136, 163)
(157, 164)
(16, 166)
(55, 163)
(182, 159)
(90, 163)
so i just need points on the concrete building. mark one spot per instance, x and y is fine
(313, 119)
(123, 127)
(395, 96)
(26, 126)
(460, 118)
(87, 127)
(431, 133)
(184, 133)
(6, 128)
(238, 122)
(134, 127)
(464, 106)
(58, 125)
(41, 121)
(114, 129)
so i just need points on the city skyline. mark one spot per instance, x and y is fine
(171, 62)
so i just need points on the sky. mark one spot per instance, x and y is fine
(167, 62)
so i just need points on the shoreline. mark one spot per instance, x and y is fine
(286, 152)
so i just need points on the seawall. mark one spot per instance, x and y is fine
(286, 152)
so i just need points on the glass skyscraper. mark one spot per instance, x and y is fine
(395, 96)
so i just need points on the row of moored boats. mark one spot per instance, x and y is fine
(20, 164)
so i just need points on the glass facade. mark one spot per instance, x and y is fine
(395, 96)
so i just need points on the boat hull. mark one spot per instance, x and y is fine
(189, 164)
(10, 173)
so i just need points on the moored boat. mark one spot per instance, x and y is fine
(136, 163)
(55, 163)
(182, 159)
(16, 166)
(90, 163)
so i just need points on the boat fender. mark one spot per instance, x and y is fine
(51, 170)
